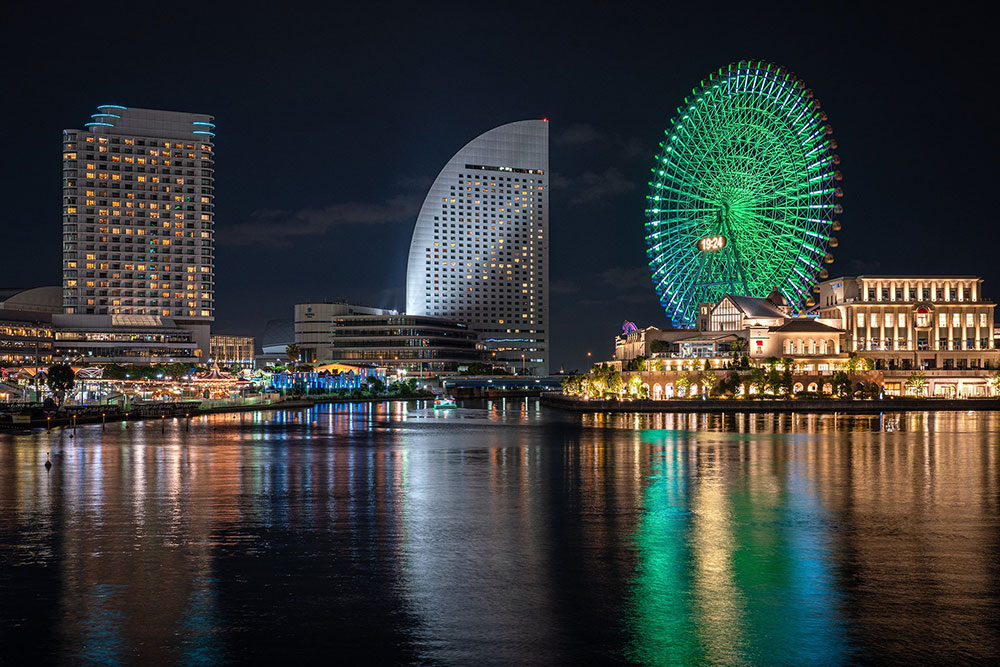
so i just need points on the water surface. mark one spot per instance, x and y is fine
(503, 534)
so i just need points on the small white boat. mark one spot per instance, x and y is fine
(445, 403)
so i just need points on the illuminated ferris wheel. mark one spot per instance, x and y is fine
(744, 192)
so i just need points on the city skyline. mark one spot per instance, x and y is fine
(292, 203)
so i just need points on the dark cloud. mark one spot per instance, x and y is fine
(627, 277)
(283, 228)
(591, 187)
(859, 267)
(577, 134)
(563, 287)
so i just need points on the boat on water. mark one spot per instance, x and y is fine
(445, 403)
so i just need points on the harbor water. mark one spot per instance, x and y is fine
(503, 533)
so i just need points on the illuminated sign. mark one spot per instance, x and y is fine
(710, 243)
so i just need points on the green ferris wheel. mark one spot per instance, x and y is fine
(744, 194)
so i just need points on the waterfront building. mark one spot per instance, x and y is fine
(138, 217)
(25, 338)
(941, 325)
(761, 327)
(480, 246)
(887, 330)
(420, 345)
(229, 351)
(123, 339)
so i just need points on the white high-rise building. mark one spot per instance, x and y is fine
(480, 247)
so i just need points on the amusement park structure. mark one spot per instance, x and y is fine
(745, 192)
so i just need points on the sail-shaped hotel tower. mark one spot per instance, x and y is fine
(480, 247)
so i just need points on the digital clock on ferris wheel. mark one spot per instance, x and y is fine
(710, 243)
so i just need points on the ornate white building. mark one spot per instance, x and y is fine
(941, 325)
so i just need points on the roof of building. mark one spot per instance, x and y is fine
(754, 307)
(804, 325)
(901, 276)
(46, 299)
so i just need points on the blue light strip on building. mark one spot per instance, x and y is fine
(112, 106)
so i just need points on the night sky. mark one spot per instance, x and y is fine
(332, 124)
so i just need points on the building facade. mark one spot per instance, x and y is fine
(228, 351)
(940, 325)
(313, 327)
(25, 338)
(361, 336)
(138, 216)
(480, 246)
(123, 339)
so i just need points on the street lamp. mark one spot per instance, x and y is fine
(522, 364)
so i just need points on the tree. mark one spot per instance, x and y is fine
(683, 382)
(573, 385)
(636, 364)
(708, 380)
(375, 384)
(60, 380)
(841, 384)
(786, 380)
(292, 352)
(995, 382)
(774, 380)
(615, 383)
(176, 371)
(732, 383)
(916, 382)
(856, 364)
(758, 378)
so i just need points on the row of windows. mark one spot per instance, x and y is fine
(115, 140)
(923, 319)
(942, 292)
(943, 344)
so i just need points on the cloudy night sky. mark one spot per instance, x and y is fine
(332, 124)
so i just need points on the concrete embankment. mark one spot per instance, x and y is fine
(777, 405)
(170, 410)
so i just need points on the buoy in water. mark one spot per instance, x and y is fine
(48, 463)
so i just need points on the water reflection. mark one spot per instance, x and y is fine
(501, 534)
